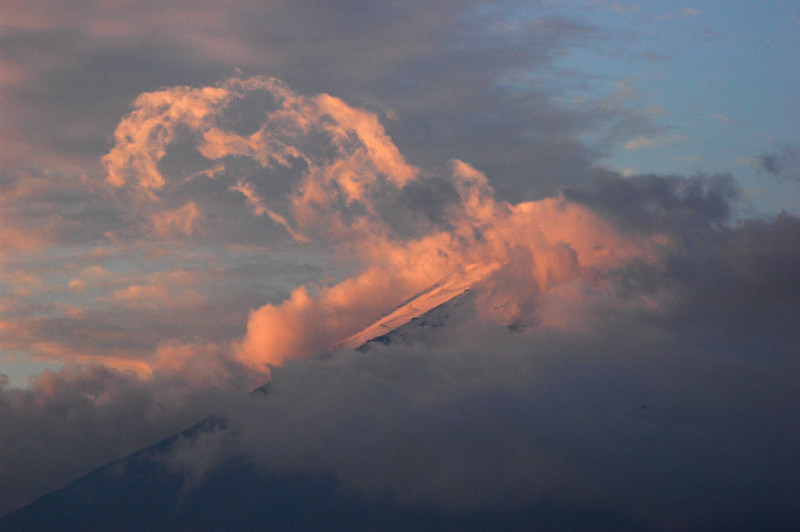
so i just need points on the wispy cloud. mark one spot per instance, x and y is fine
(719, 117)
(647, 142)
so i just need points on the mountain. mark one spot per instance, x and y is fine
(422, 303)
(145, 491)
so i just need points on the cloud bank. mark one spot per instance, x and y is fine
(667, 395)
(629, 347)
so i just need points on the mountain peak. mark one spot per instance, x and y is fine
(147, 491)
(444, 290)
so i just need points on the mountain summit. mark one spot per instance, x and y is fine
(436, 295)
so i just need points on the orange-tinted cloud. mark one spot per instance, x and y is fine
(346, 175)
(180, 220)
(326, 173)
(540, 246)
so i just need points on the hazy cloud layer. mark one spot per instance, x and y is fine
(82, 417)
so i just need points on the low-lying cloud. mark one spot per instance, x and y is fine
(668, 395)
(629, 346)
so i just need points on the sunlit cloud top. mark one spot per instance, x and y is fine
(196, 199)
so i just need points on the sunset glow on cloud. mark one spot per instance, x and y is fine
(345, 179)
(197, 201)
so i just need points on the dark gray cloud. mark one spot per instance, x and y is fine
(742, 279)
(784, 164)
(653, 203)
(419, 206)
(72, 421)
(669, 399)
(675, 407)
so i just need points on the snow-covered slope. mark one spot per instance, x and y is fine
(443, 291)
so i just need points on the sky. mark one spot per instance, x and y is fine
(197, 198)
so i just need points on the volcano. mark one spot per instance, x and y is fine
(145, 491)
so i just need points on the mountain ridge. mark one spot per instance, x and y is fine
(148, 490)
(150, 462)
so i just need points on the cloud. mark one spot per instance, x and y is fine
(180, 220)
(86, 307)
(669, 204)
(785, 164)
(41, 208)
(460, 72)
(673, 399)
(339, 157)
(620, 331)
(71, 421)
(642, 141)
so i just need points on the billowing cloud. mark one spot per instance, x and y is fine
(606, 325)
(665, 396)
(345, 182)
(315, 163)
(455, 76)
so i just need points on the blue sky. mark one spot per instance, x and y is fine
(719, 79)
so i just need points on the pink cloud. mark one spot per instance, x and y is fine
(180, 220)
(345, 167)
(343, 180)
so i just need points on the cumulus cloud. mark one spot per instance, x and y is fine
(343, 184)
(667, 394)
(455, 88)
(619, 333)
(334, 159)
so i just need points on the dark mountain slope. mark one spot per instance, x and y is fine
(143, 492)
